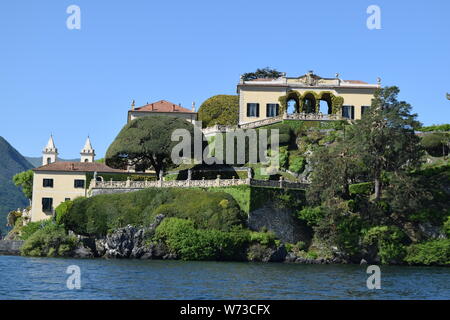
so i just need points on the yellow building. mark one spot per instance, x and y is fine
(300, 98)
(55, 182)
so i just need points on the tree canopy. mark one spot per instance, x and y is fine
(25, 181)
(262, 73)
(146, 143)
(220, 109)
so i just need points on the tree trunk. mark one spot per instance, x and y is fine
(377, 189)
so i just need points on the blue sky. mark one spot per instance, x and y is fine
(77, 82)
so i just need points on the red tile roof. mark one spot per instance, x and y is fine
(63, 166)
(163, 106)
(356, 81)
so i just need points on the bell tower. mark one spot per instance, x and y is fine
(50, 153)
(87, 153)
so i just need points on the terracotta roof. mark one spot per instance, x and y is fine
(78, 167)
(356, 81)
(163, 106)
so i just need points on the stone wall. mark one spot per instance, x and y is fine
(10, 247)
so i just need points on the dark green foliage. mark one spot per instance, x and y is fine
(296, 164)
(312, 215)
(190, 243)
(364, 188)
(146, 142)
(390, 242)
(50, 241)
(62, 210)
(100, 214)
(220, 109)
(11, 163)
(32, 227)
(436, 144)
(435, 252)
(262, 73)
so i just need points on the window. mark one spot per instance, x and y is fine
(348, 112)
(47, 183)
(79, 184)
(66, 199)
(364, 109)
(272, 109)
(252, 109)
(47, 204)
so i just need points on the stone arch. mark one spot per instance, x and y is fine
(290, 95)
(309, 102)
(328, 98)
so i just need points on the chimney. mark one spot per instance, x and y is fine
(193, 106)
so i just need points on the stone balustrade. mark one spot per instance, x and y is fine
(138, 185)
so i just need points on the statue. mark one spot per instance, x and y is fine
(448, 96)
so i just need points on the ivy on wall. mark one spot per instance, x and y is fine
(335, 101)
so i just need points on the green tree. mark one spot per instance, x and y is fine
(146, 142)
(263, 73)
(384, 138)
(25, 181)
(220, 109)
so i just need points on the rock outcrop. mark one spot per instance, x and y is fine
(280, 221)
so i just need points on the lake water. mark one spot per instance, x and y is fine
(45, 278)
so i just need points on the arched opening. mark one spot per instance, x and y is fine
(49, 160)
(292, 106)
(86, 160)
(323, 107)
(325, 100)
(309, 103)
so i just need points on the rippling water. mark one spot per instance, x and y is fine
(45, 278)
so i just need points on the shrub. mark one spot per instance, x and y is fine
(436, 144)
(296, 164)
(446, 227)
(312, 215)
(435, 252)
(62, 210)
(364, 188)
(189, 243)
(389, 240)
(441, 127)
(49, 241)
(220, 109)
(33, 227)
(264, 238)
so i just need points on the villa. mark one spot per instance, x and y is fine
(300, 98)
(57, 181)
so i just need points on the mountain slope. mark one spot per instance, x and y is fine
(11, 197)
(37, 161)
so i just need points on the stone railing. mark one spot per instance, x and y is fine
(138, 185)
(260, 123)
(313, 116)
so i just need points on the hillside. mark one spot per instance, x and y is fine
(37, 161)
(11, 197)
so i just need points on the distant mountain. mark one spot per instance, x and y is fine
(37, 161)
(11, 197)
